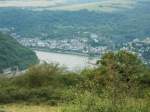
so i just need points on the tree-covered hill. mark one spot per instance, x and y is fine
(116, 26)
(13, 54)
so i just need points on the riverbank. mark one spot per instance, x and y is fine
(65, 52)
(70, 61)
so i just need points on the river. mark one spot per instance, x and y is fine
(71, 62)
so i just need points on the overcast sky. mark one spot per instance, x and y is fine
(46, 3)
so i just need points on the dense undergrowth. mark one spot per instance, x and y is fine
(119, 83)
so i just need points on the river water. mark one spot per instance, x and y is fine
(71, 62)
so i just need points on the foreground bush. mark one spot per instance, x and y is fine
(119, 83)
(40, 83)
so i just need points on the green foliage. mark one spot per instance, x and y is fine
(122, 67)
(88, 102)
(42, 75)
(118, 84)
(125, 64)
(118, 78)
(13, 54)
(40, 83)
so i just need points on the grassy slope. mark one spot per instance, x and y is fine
(28, 108)
(14, 54)
(136, 104)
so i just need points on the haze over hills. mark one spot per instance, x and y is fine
(12, 54)
(70, 5)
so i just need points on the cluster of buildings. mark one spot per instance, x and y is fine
(82, 45)
(74, 45)
(140, 47)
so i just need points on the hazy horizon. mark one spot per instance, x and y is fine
(49, 3)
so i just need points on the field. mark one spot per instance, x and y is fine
(133, 105)
(106, 6)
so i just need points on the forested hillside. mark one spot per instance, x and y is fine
(13, 54)
(116, 26)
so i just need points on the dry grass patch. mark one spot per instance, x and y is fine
(28, 108)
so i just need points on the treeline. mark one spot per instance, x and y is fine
(119, 83)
